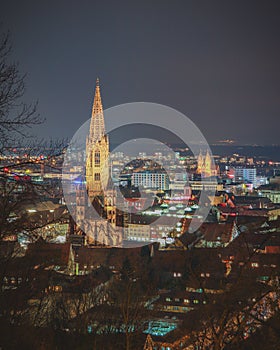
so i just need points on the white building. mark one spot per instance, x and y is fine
(245, 174)
(149, 179)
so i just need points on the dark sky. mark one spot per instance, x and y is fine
(215, 61)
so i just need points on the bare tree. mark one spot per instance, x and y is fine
(129, 297)
(16, 117)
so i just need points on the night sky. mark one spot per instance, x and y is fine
(215, 61)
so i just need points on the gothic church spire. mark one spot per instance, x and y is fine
(97, 126)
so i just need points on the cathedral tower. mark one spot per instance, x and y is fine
(208, 165)
(97, 150)
(205, 165)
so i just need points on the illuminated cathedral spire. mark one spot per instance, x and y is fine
(97, 127)
(97, 149)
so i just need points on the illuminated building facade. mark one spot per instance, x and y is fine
(245, 174)
(151, 179)
(104, 227)
(205, 165)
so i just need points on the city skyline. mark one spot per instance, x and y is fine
(217, 64)
(144, 214)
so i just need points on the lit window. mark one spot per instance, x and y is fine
(255, 264)
(97, 159)
(177, 274)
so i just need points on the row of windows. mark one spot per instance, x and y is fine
(149, 175)
(139, 234)
(177, 274)
(186, 301)
(256, 264)
(133, 238)
(132, 229)
(176, 308)
(146, 178)
(205, 274)
(12, 280)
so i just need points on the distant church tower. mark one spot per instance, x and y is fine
(208, 165)
(205, 165)
(97, 150)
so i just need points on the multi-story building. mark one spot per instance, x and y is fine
(245, 174)
(138, 232)
(271, 191)
(151, 179)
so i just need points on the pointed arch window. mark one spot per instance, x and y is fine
(97, 158)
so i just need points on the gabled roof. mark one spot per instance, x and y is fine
(111, 256)
(40, 206)
(48, 254)
(213, 231)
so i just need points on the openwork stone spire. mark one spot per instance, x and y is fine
(97, 150)
(97, 127)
